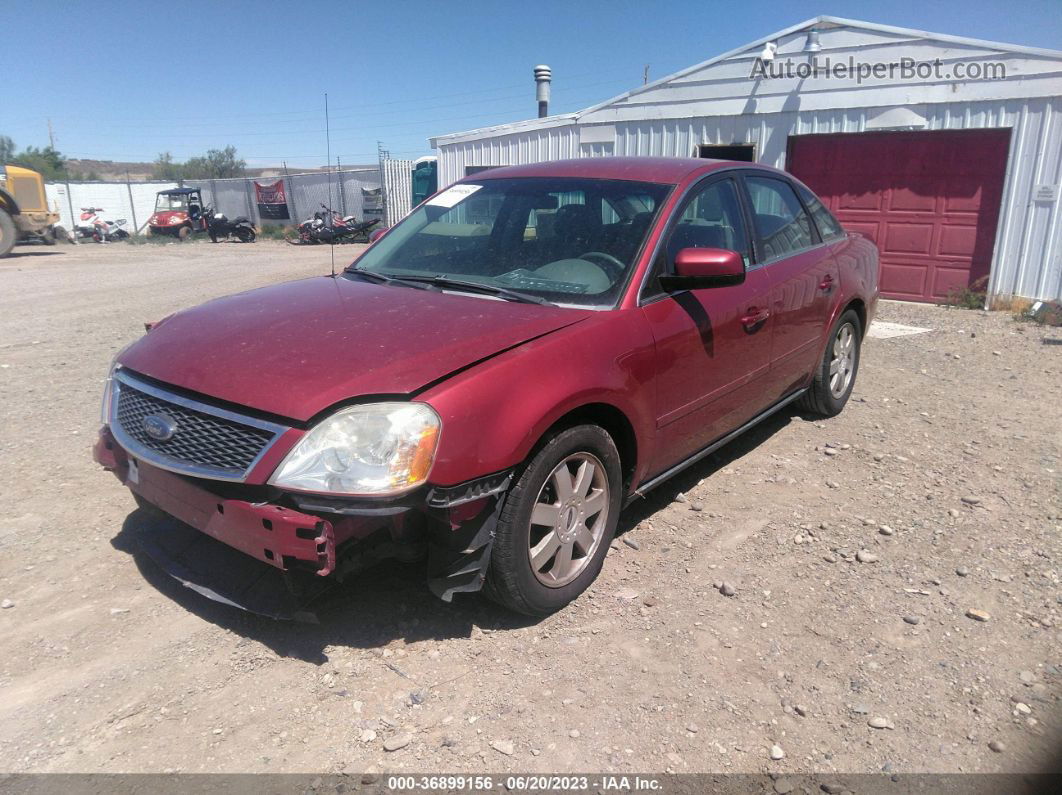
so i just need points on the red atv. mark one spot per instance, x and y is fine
(178, 212)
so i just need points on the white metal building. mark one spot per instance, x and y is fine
(947, 151)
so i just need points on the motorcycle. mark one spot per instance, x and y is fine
(327, 226)
(90, 225)
(218, 225)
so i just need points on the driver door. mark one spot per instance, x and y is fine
(712, 345)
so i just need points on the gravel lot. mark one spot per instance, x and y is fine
(856, 551)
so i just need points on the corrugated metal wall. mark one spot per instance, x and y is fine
(1028, 253)
(398, 189)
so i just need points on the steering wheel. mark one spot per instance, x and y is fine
(610, 263)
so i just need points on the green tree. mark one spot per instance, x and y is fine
(47, 161)
(165, 168)
(7, 150)
(215, 164)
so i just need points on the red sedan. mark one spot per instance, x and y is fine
(493, 380)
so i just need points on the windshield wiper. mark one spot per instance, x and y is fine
(383, 278)
(490, 289)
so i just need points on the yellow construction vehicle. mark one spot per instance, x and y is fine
(24, 213)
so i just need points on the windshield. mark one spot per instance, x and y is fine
(568, 241)
(177, 201)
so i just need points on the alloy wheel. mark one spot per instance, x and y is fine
(842, 361)
(568, 519)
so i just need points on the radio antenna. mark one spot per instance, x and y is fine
(331, 212)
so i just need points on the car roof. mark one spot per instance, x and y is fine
(668, 170)
(178, 191)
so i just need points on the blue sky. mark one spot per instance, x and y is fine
(125, 81)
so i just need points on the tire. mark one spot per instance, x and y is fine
(48, 236)
(512, 580)
(184, 233)
(245, 235)
(8, 233)
(827, 397)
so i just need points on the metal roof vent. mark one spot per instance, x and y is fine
(813, 44)
(543, 77)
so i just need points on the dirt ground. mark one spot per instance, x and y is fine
(855, 549)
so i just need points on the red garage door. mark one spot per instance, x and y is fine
(929, 200)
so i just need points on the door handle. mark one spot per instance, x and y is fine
(754, 317)
(826, 285)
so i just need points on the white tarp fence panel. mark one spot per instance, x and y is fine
(117, 200)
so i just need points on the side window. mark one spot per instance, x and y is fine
(711, 219)
(828, 226)
(781, 221)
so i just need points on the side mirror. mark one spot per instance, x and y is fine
(701, 268)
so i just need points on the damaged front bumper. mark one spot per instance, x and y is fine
(304, 536)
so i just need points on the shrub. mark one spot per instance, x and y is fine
(276, 232)
(972, 296)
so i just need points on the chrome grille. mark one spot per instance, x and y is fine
(206, 441)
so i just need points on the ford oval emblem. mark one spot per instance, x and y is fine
(160, 427)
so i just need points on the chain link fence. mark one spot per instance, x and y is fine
(356, 192)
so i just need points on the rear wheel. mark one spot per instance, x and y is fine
(557, 523)
(8, 234)
(833, 382)
(244, 234)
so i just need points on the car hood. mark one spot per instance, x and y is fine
(295, 349)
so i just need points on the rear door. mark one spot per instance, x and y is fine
(804, 278)
(712, 345)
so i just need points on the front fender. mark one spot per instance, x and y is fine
(496, 412)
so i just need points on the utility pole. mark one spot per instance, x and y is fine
(645, 75)
(51, 136)
(383, 155)
(342, 191)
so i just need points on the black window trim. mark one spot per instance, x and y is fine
(733, 173)
(797, 184)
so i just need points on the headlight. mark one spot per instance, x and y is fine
(374, 449)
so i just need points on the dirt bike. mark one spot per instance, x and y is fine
(90, 225)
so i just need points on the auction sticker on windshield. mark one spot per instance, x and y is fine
(453, 195)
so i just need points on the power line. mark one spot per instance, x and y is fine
(361, 107)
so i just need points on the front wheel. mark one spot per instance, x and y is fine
(832, 385)
(557, 523)
(8, 233)
(184, 233)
